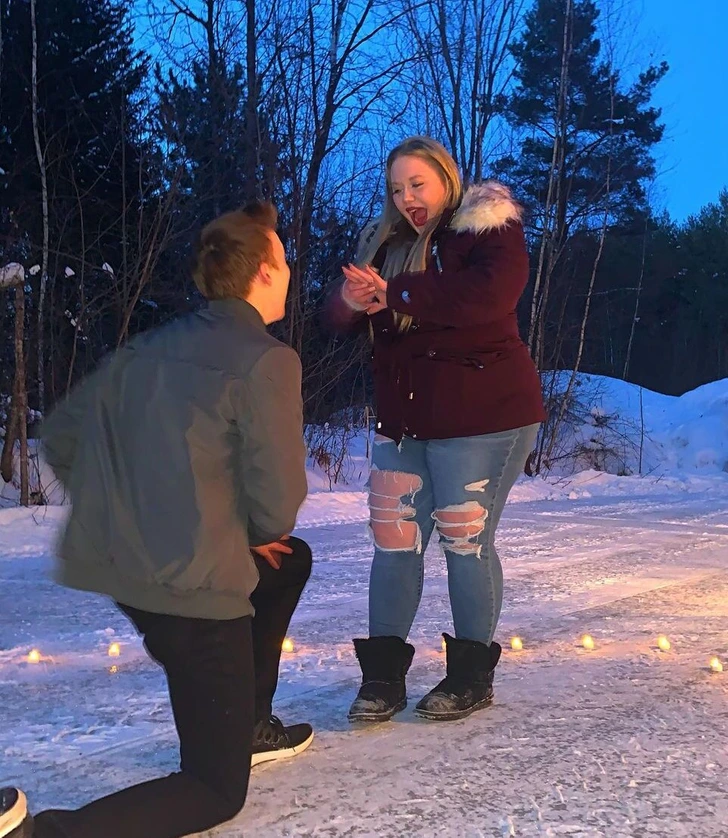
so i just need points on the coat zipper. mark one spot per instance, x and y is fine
(436, 257)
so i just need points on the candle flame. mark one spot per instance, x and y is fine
(663, 643)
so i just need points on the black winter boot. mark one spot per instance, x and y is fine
(468, 685)
(384, 663)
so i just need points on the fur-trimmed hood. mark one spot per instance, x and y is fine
(486, 206)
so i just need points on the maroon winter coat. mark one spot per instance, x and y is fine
(462, 368)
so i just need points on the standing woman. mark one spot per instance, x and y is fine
(458, 410)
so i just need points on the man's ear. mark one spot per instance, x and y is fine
(264, 274)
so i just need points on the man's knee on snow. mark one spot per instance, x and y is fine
(390, 515)
(230, 804)
(460, 525)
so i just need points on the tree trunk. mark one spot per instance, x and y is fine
(635, 316)
(17, 428)
(21, 393)
(11, 435)
(251, 103)
(44, 194)
(554, 211)
(565, 401)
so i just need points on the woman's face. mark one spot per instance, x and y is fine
(417, 190)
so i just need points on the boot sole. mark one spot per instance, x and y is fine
(283, 753)
(377, 717)
(456, 714)
(14, 819)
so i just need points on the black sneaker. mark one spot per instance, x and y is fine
(273, 741)
(15, 822)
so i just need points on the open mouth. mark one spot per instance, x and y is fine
(418, 216)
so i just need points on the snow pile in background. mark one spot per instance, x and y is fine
(614, 429)
(694, 431)
(354, 472)
(621, 428)
(40, 475)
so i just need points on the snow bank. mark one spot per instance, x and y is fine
(621, 428)
(694, 430)
(614, 429)
(42, 480)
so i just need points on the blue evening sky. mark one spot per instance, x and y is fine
(693, 38)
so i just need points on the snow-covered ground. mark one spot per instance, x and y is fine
(625, 740)
(622, 741)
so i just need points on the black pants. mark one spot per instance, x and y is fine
(222, 675)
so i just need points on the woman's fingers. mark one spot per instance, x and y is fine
(357, 274)
(365, 287)
(359, 294)
(376, 307)
(379, 283)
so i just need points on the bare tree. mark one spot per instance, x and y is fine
(637, 299)
(153, 237)
(332, 72)
(212, 49)
(554, 212)
(465, 68)
(40, 349)
(549, 438)
(13, 276)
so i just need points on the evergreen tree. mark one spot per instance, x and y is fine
(89, 75)
(688, 329)
(607, 131)
(201, 119)
(586, 143)
(98, 164)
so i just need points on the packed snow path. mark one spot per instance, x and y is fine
(624, 740)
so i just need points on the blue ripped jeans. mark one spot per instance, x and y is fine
(459, 486)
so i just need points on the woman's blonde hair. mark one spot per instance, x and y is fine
(407, 250)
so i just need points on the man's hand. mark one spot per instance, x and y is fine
(272, 552)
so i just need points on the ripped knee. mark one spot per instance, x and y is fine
(460, 525)
(390, 522)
